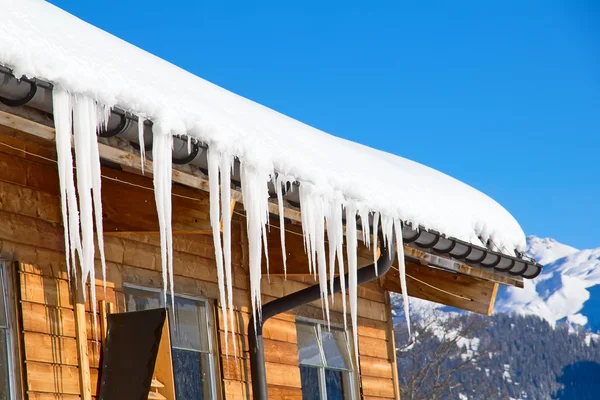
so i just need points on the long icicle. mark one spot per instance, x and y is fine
(226, 166)
(162, 164)
(402, 271)
(96, 173)
(63, 109)
(335, 237)
(279, 182)
(375, 240)
(255, 193)
(352, 249)
(213, 181)
(141, 121)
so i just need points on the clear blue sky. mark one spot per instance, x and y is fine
(503, 95)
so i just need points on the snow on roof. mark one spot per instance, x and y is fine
(41, 41)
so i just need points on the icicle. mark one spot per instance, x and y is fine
(255, 192)
(213, 181)
(335, 236)
(375, 240)
(387, 230)
(402, 270)
(88, 119)
(308, 228)
(96, 188)
(141, 121)
(363, 213)
(279, 182)
(313, 215)
(189, 144)
(62, 107)
(162, 164)
(352, 249)
(226, 165)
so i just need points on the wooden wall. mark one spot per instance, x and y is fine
(31, 235)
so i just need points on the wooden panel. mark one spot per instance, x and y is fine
(372, 347)
(49, 320)
(375, 367)
(164, 364)
(50, 349)
(379, 387)
(56, 378)
(189, 214)
(283, 375)
(439, 286)
(236, 390)
(284, 393)
(281, 352)
(44, 290)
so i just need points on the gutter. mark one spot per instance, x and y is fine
(297, 299)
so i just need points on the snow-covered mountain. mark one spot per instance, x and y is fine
(568, 289)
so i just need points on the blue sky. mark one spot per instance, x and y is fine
(503, 95)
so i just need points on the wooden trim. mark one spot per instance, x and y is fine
(15, 315)
(392, 346)
(85, 381)
(493, 300)
(163, 368)
(429, 259)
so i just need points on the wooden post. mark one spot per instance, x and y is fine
(103, 322)
(392, 345)
(85, 381)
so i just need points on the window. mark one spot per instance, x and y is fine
(325, 363)
(5, 339)
(190, 340)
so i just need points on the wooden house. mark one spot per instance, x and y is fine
(52, 328)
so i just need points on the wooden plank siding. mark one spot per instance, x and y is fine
(31, 233)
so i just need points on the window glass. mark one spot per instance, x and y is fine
(192, 326)
(336, 349)
(325, 363)
(190, 341)
(310, 383)
(193, 372)
(309, 352)
(333, 383)
(140, 300)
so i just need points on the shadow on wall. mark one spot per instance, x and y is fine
(580, 381)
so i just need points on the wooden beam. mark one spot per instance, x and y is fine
(392, 345)
(425, 258)
(85, 380)
(444, 287)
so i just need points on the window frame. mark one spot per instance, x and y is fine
(319, 325)
(210, 320)
(9, 331)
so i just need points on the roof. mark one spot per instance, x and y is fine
(41, 41)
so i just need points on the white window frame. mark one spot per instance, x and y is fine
(8, 331)
(319, 326)
(209, 319)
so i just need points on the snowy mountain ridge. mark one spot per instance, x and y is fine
(568, 289)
